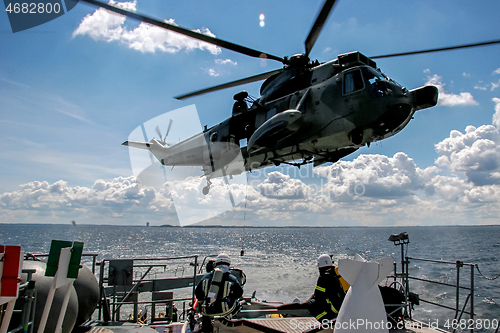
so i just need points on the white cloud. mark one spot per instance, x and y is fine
(121, 198)
(212, 72)
(370, 190)
(375, 176)
(449, 189)
(495, 85)
(220, 63)
(103, 24)
(281, 186)
(225, 62)
(464, 98)
(475, 153)
(108, 26)
(496, 116)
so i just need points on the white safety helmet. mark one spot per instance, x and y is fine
(324, 260)
(223, 259)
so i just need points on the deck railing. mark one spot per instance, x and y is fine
(404, 277)
(459, 310)
(120, 284)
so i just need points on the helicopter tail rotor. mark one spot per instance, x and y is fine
(164, 138)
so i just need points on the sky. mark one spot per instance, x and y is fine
(73, 89)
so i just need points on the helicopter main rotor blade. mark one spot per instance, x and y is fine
(186, 32)
(438, 49)
(318, 25)
(239, 82)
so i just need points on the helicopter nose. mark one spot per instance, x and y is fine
(424, 97)
(396, 115)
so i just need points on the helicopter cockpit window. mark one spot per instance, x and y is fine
(353, 81)
(376, 82)
(372, 76)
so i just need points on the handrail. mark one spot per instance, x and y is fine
(458, 264)
(441, 261)
(402, 240)
(437, 282)
(151, 262)
(441, 305)
(93, 255)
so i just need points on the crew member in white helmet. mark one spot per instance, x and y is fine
(218, 292)
(328, 294)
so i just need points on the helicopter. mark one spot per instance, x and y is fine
(308, 111)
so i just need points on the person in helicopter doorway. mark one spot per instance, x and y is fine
(328, 294)
(218, 292)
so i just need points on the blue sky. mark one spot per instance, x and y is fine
(73, 89)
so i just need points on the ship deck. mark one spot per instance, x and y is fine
(267, 325)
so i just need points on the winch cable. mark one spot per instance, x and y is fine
(487, 278)
(246, 198)
(242, 252)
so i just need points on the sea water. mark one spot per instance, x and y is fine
(280, 263)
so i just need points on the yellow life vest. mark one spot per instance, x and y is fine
(343, 282)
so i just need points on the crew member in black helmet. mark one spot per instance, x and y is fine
(218, 292)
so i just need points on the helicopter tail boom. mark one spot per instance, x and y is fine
(143, 145)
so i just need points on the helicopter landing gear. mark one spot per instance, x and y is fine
(206, 189)
(357, 136)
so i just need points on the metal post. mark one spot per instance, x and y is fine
(407, 295)
(32, 307)
(94, 258)
(403, 265)
(472, 296)
(28, 307)
(457, 307)
(395, 271)
(194, 277)
(102, 294)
